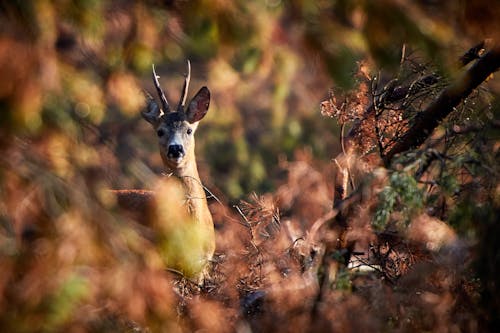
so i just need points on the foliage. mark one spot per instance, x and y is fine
(70, 129)
(401, 194)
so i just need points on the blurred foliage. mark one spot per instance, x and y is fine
(70, 129)
(90, 54)
(401, 194)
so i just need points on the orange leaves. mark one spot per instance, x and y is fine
(350, 106)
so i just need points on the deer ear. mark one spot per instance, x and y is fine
(198, 106)
(152, 112)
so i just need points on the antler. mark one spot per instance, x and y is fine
(164, 102)
(185, 88)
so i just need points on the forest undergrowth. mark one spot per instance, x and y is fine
(385, 254)
(350, 156)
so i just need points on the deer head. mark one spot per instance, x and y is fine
(175, 129)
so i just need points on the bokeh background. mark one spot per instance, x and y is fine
(72, 75)
(269, 64)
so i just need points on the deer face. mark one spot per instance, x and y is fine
(175, 130)
(175, 137)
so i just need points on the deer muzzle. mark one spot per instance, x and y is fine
(175, 152)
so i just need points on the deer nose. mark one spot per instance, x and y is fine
(175, 151)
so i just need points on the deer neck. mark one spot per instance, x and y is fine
(195, 192)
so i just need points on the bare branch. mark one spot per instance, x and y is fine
(428, 120)
(472, 54)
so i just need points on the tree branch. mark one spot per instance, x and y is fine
(429, 119)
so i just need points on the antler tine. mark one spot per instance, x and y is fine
(185, 88)
(161, 94)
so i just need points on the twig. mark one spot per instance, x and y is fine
(238, 209)
(318, 224)
(450, 97)
(211, 195)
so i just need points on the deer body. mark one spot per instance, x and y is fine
(175, 131)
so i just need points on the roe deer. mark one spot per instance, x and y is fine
(175, 131)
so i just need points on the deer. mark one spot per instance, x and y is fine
(175, 131)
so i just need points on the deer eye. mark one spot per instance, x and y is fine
(189, 131)
(160, 132)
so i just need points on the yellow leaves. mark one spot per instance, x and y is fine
(19, 85)
(64, 154)
(57, 150)
(223, 76)
(170, 195)
(74, 235)
(65, 300)
(27, 108)
(184, 248)
(46, 17)
(86, 94)
(124, 91)
(183, 240)
(286, 68)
